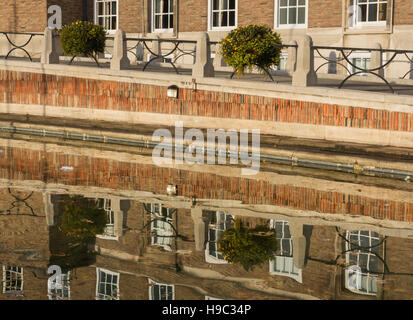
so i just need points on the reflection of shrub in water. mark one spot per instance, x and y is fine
(81, 221)
(248, 247)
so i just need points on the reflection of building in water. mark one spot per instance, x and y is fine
(164, 252)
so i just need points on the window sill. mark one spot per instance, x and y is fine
(368, 30)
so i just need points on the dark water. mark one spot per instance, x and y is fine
(306, 236)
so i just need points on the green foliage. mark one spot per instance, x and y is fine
(83, 37)
(248, 247)
(82, 219)
(251, 46)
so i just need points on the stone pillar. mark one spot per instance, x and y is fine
(157, 50)
(118, 213)
(304, 75)
(49, 53)
(377, 60)
(120, 58)
(299, 244)
(218, 58)
(203, 66)
(291, 58)
(49, 209)
(199, 229)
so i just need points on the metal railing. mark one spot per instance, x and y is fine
(158, 55)
(22, 47)
(352, 69)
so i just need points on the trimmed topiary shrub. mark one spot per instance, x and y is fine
(248, 247)
(83, 38)
(251, 46)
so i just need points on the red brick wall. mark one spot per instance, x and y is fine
(193, 15)
(403, 12)
(257, 12)
(131, 16)
(324, 13)
(23, 15)
(71, 10)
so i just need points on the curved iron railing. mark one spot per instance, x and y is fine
(345, 53)
(165, 57)
(21, 47)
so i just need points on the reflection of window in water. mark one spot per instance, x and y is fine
(107, 286)
(160, 291)
(361, 275)
(283, 261)
(161, 228)
(219, 223)
(62, 292)
(12, 278)
(109, 232)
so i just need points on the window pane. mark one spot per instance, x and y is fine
(113, 7)
(232, 4)
(224, 19)
(292, 19)
(292, 2)
(225, 5)
(157, 22)
(157, 6)
(373, 12)
(283, 3)
(165, 6)
(301, 2)
(215, 5)
(232, 18)
(363, 11)
(164, 21)
(301, 15)
(283, 16)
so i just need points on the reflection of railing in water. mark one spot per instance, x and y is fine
(22, 46)
(19, 200)
(346, 52)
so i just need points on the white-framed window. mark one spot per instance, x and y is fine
(107, 284)
(368, 12)
(283, 262)
(161, 228)
(161, 291)
(222, 14)
(12, 279)
(62, 291)
(291, 13)
(109, 232)
(106, 14)
(218, 224)
(162, 15)
(362, 273)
